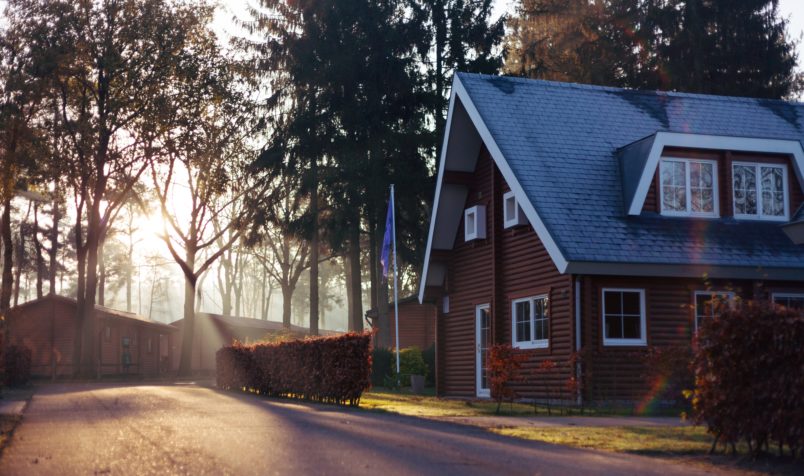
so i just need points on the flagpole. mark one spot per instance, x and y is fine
(396, 295)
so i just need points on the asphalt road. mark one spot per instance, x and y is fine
(187, 429)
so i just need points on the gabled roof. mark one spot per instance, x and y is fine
(101, 311)
(563, 147)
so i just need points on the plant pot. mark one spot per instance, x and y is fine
(417, 384)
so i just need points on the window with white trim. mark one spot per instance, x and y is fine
(445, 305)
(474, 219)
(624, 317)
(512, 213)
(709, 304)
(760, 191)
(793, 301)
(688, 187)
(530, 326)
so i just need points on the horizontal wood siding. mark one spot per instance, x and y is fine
(416, 326)
(618, 373)
(516, 262)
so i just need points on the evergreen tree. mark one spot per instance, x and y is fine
(734, 47)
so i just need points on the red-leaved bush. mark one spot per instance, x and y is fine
(325, 369)
(503, 365)
(17, 365)
(749, 377)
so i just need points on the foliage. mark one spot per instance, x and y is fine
(749, 383)
(429, 356)
(325, 369)
(411, 362)
(737, 48)
(17, 365)
(503, 364)
(669, 368)
(382, 365)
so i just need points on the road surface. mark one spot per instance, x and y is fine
(188, 429)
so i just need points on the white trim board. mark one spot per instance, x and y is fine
(701, 141)
(459, 93)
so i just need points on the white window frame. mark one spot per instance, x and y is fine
(786, 295)
(758, 174)
(518, 217)
(715, 213)
(643, 339)
(531, 343)
(478, 232)
(729, 295)
(445, 304)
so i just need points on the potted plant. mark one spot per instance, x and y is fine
(412, 363)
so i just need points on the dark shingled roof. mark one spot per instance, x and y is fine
(561, 141)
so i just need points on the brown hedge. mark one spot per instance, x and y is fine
(325, 369)
(749, 377)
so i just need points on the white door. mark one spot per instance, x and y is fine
(483, 340)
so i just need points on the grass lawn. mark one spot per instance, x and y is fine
(684, 440)
(405, 403)
(428, 405)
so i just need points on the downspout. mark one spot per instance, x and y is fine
(579, 397)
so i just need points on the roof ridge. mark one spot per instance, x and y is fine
(644, 92)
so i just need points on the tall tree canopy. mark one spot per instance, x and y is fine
(734, 47)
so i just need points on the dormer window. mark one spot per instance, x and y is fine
(474, 219)
(688, 187)
(512, 213)
(760, 191)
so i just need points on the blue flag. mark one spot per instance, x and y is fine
(386, 241)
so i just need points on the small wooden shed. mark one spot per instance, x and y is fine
(127, 344)
(416, 323)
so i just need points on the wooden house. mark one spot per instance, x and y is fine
(570, 218)
(127, 344)
(416, 323)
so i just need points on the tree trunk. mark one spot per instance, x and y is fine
(356, 317)
(385, 335)
(7, 284)
(129, 270)
(20, 258)
(102, 273)
(314, 307)
(40, 259)
(188, 326)
(287, 297)
(54, 244)
(81, 262)
(86, 312)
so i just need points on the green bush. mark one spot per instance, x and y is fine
(383, 364)
(429, 356)
(411, 362)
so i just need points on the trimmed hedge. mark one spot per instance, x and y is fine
(749, 378)
(17, 365)
(324, 369)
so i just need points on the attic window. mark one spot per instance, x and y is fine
(760, 191)
(512, 213)
(474, 219)
(688, 187)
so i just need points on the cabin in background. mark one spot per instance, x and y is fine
(128, 344)
(601, 221)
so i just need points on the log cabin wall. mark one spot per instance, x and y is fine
(618, 372)
(508, 264)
